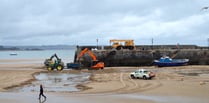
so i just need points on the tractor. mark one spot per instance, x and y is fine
(52, 63)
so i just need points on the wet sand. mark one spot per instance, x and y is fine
(113, 84)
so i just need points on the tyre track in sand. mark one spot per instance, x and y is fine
(128, 85)
(136, 85)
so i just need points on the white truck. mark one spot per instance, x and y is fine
(141, 73)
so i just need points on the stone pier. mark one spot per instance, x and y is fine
(144, 55)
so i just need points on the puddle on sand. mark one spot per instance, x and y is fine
(57, 82)
(194, 72)
(190, 74)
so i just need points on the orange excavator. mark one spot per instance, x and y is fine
(95, 64)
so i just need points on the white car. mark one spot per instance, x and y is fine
(141, 73)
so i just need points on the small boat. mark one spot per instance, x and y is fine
(167, 61)
(13, 54)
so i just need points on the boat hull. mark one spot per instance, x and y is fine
(165, 62)
(13, 54)
(161, 64)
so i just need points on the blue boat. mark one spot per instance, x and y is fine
(167, 61)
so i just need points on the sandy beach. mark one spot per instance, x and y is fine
(188, 84)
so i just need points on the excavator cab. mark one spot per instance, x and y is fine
(54, 63)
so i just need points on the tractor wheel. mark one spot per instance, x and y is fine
(49, 68)
(59, 67)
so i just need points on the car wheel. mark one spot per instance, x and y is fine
(131, 48)
(119, 48)
(132, 76)
(144, 77)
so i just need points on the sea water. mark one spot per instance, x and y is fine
(52, 81)
(65, 55)
(57, 82)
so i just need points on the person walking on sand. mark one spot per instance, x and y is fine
(41, 92)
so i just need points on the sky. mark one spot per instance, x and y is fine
(83, 22)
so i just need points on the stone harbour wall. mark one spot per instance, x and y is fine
(144, 56)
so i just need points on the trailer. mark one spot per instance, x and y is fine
(73, 65)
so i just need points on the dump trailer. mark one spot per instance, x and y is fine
(74, 65)
(122, 44)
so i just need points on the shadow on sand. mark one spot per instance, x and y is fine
(42, 101)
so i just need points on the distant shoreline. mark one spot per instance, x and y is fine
(23, 50)
(33, 48)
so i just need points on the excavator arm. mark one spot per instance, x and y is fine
(81, 54)
(92, 56)
(95, 63)
(54, 56)
(86, 50)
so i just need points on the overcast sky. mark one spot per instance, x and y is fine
(81, 22)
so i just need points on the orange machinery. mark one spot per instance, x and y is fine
(122, 44)
(95, 64)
